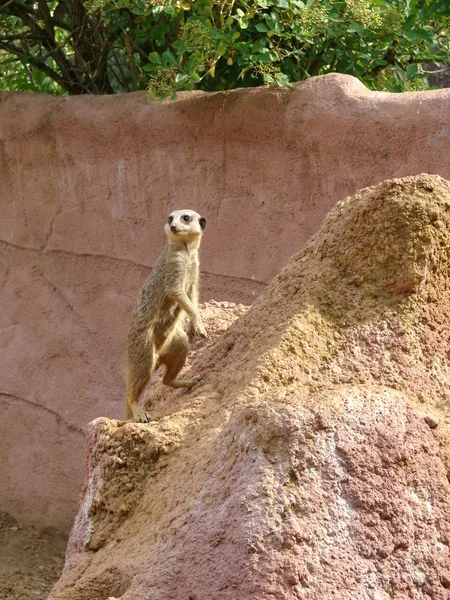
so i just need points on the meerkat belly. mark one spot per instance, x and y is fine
(166, 319)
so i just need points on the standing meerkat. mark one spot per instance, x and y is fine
(156, 335)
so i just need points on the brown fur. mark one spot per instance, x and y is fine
(156, 335)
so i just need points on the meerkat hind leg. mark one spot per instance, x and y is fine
(136, 381)
(173, 356)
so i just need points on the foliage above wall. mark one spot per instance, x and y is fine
(108, 46)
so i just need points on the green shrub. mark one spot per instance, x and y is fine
(171, 45)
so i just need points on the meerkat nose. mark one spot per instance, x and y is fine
(173, 227)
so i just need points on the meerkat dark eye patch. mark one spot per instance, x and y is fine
(202, 222)
(186, 218)
(170, 219)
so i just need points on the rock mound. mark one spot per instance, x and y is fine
(313, 461)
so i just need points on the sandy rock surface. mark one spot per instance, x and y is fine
(312, 462)
(31, 559)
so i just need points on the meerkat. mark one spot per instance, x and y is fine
(156, 335)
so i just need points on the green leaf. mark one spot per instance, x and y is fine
(355, 28)
(281, 3)
(154, 58)
(263, 58)
(261, 27)
(243, 47)
(217, 34)
(421, 34)
(192, 63)
(180, 48)
(410, 21)
(168, 58)
(412, 70)
(181, 78)
(258, 47)
(379, 62)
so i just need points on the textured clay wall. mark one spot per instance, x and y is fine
(85, 186)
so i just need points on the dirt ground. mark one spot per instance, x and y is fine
(31, 559)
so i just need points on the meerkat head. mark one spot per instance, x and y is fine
(184, 225)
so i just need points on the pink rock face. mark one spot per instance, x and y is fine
(312, 463)
(86, 185)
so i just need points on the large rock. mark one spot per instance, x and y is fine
(312, 463)
(86, 184)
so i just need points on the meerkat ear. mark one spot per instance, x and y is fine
(202, 222)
